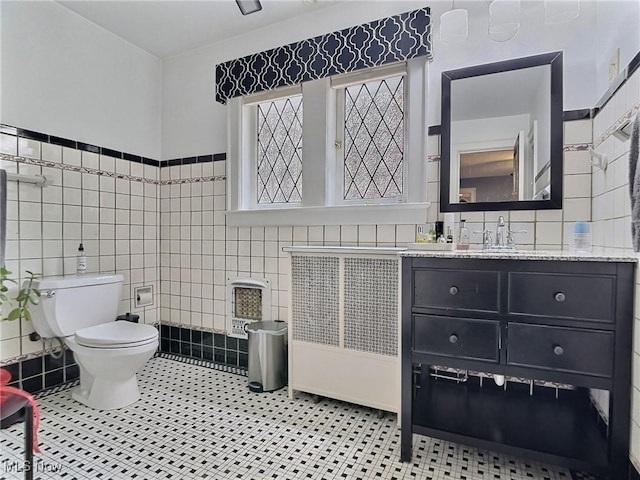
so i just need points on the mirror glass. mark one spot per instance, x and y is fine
(502, 135)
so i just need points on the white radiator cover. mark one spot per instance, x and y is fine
(344, 326)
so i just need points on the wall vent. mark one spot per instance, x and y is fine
(248, 300)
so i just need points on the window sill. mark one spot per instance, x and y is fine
(402, 214)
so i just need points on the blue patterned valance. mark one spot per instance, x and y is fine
(389, 40)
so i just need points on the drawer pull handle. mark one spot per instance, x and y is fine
(453, 338)
(560, 297)
(453, 290)
(558, 350)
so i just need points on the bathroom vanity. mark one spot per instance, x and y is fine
(555, 325)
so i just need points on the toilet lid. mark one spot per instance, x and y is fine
(116, 334)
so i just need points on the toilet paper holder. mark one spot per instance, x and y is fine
(143, 296)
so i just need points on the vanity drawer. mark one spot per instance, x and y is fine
(472, 290)
(456, 337)
(563, 349)
(562, 295)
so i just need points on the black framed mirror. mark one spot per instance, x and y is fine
(502, 136)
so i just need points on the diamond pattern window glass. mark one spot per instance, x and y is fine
(374, 139)
(279, 151)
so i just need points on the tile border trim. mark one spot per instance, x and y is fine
(78, 145)
(75, 144)
(192, 327)
(204, 345)
(35, 373)
(28, 356)
(215, 157)
(74, 168)
(576, 147)
(179, 181)
(581, 114)
(628, 115)
(571, 147)
(567, 116)
(77, 168)
(202, 363)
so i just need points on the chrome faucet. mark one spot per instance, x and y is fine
(504, 237)
(500, 234)
(486, 238)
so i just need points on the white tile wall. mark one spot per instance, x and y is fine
(612, 215)
(198, 251)
(115, 219)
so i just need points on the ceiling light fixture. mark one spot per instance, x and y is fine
(454, 25)
(560, 11)
(504, 19)
(249, 6)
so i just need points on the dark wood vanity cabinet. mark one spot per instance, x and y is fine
(545, 322)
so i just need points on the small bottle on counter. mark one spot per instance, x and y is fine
(581, 238)
(463, 236)
(449, 225)
(82, 260)
(431, 236)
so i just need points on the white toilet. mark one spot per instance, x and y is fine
(81, 309)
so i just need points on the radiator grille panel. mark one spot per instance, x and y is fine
(371, 305)
(248, 303)
(315, 299)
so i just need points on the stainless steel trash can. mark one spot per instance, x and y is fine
(267, 356)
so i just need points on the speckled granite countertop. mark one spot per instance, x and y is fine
(520, 255)
(558, 255)
(343, 250)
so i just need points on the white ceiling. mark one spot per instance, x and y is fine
(170, 27)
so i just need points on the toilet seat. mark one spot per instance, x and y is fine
(120, 334)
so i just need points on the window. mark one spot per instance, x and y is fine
(355, 154)
(372, 121)
(279, 155)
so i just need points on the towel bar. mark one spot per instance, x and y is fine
(599, 160)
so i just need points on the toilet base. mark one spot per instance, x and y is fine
(107, 394)
(108, 375)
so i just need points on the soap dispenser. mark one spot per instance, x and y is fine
(82, 260)
(463, 236)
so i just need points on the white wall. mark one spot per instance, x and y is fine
(618, 26)
(194, 124)
(65, 76)
(575, 38)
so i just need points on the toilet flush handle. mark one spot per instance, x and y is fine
(50, 293)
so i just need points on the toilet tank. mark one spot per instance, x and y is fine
(71, 302)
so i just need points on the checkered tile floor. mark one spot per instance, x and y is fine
(196, 422)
